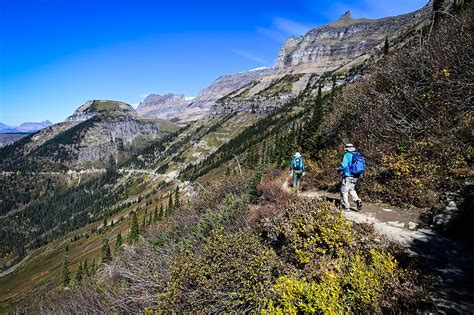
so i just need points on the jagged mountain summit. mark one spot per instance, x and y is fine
(97, 131)
(176, 107)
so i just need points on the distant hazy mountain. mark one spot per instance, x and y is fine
(6, 129)
(33, 126)
(28, 127)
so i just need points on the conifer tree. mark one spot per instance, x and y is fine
(93, 267)
(66, 275)
(333, 89)
(311, 139)
(170, 203)
(386, 46)
(161, 214)
(85, 267)
(79, 273)
(155, 217)
(104, 225)
(177, 201)
(144, 221)
(106, 255)
(118, 243)
(134, 230)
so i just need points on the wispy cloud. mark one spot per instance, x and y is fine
(282, 28)
(291, 27)
(251, 56)
(144, 95)
(274, 35)
(189, 98)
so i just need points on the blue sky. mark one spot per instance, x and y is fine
(57, 54)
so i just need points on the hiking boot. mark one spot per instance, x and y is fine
(359, 205)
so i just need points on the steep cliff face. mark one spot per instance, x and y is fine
(97, 131)
(335, 50)
(163, 106)
(333, 45)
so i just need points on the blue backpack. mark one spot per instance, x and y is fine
(297, 163)
(357, 168)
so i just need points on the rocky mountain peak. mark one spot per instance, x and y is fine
(95, 107)
(346, 15)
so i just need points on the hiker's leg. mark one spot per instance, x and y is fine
(345, 194)
(298, 183)
(352, 191)
(295, 179)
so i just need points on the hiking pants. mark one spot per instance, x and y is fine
(348, 187)
(297, 178)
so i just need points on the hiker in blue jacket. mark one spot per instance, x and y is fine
(349, 179)
(297, 169)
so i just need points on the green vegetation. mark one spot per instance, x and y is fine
(106, 106)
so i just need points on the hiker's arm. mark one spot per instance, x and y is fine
(345, 163)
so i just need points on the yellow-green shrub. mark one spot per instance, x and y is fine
(227, 272)
(314, 228)
(359, 284)
(292, 296)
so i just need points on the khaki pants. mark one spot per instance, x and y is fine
(348, 187)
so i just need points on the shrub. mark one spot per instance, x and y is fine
(227, 272)
(357, 283)
(312, 228)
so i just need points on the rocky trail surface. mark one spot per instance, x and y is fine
(449, 261)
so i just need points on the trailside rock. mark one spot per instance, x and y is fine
(442, 220)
